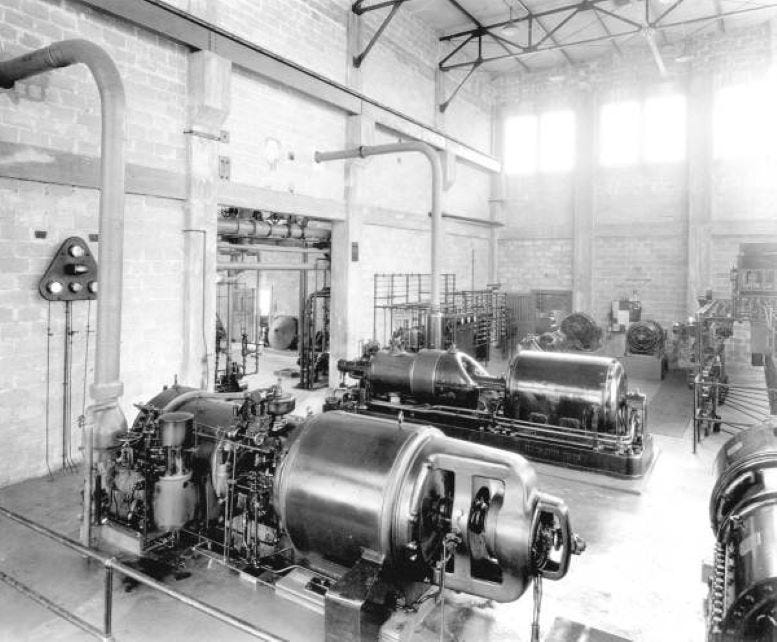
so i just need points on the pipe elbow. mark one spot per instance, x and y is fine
(102, 66)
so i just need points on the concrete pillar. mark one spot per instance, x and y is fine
(346, 285)
(699, 187)
(583, 204)
(496, 206)
(209, 98)
(347, 289)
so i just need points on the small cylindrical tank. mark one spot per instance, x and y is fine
(175, 428)
(567, 389)
(445, 377)
(354, 486)
(743, 513)
(282, 332)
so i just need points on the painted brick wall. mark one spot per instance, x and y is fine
(265, 116)
(654, 266)
(534, 264)
(60, 111)
(151, 316)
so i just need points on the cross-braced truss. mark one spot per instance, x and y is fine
(557, 29)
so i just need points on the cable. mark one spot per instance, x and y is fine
(86, 354)
(48, 384)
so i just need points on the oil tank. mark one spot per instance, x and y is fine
(567, 389)
(446, 377)
(742, 603)
(353, 486)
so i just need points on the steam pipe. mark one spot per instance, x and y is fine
(63, 54)
(107, 417)
(251, 228)
(435, 316)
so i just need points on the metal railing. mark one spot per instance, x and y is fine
(729, 408)
(110, 564)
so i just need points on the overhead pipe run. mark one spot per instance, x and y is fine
(435, 316)
(106, 418)
(237, 266)
(253, 228)
(257, 248)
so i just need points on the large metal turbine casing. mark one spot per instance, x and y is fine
(354, 487)
(429, 376)
(576, 390)
(742, 603)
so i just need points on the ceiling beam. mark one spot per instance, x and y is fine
(484, 30)
(657, 25)
(719, 11)
(563, 51)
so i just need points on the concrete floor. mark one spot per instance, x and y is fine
(639, 579)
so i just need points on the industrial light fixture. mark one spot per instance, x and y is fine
(510, 29)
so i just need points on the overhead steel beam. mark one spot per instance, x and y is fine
(584, 5)
(719, 11)
(188, 30)
(472, 70)
(657, 25)
(607, 32)
(485, 30)
(359, 10)
(529, 12)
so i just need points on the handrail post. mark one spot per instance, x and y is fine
(108, 612)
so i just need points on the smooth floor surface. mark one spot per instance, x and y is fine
(639, 579)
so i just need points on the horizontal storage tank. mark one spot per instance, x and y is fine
(568, 389)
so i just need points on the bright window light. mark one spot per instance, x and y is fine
(619, 133)
(664, 140)
(265, 301)
(520, 145)
(557, 141)
(742, 121)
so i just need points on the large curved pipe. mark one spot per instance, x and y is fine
(111, 227)
(435, 317)
(105, 418)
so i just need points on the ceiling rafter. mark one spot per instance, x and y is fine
(358, 8)
(569, 12)
(542, 26)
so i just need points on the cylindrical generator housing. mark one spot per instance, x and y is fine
(353, 486)
(743, 513)
(429, 376)
(567, 389)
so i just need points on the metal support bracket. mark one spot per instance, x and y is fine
(359, 9)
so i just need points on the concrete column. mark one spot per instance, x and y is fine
(496, 206)
(346, 285)
(209, 98)
(583, 204)
(699, 187)
(347, 289)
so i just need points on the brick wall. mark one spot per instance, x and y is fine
(151, 315)
(60, 111)
(534, 264)
(640, 213)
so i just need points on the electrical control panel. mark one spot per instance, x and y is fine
(72, 273)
